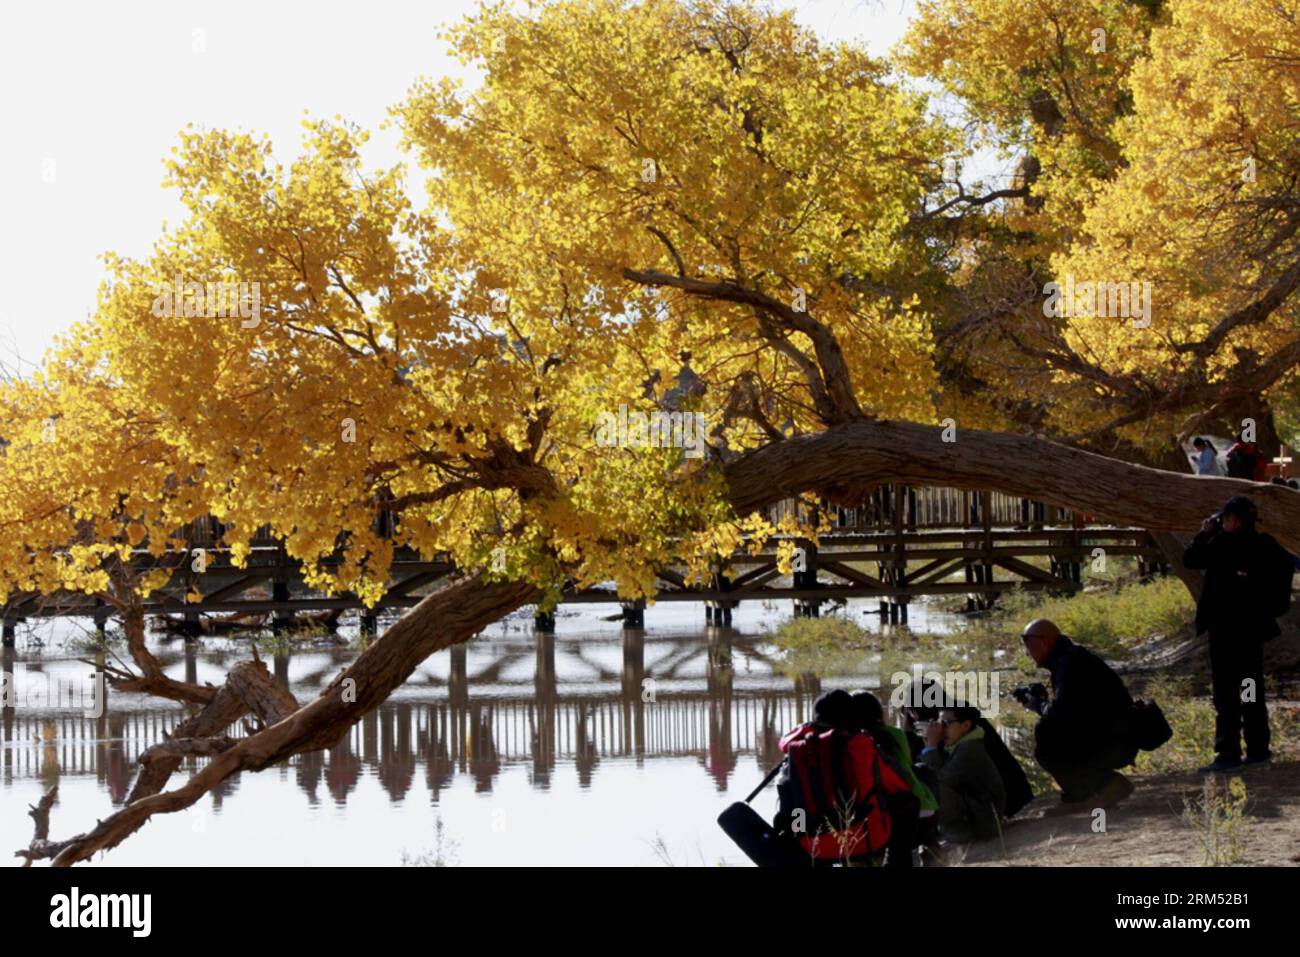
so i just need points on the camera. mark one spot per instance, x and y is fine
(1032, 696)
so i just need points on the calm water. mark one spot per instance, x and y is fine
(512, 750)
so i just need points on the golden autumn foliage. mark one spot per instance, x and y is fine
(653, 207)
(1157, 145)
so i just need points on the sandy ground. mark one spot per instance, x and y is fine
(1149, 828)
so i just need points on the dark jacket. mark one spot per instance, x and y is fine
(1014, 781)
(1089, 700)
(1234, 564)
(971, 794)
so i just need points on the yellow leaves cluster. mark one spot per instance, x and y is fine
(1209, 150)
(456, 360)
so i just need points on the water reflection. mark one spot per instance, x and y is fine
(558, 715)
(712, 698)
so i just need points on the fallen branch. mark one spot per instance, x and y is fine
(454, 613)
(41, 846)
(225, 707)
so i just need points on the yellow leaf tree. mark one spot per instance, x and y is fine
(679, 262)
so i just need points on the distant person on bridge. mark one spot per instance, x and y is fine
(1206, 456)
(1246, 461)
(1247, 585)
(1085, 732)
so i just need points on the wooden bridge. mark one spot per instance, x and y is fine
(898, 544)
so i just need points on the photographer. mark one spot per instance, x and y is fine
(1239, 564)
(1085, 733)
(1014, 782)
(971, 793)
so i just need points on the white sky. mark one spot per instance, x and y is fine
(94, 95)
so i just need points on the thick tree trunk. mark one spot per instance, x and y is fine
(1172, 458)
(1173, 546)
(844, 459)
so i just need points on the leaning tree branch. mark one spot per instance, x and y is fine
(453, 614)
(40, 814)
(859, 455)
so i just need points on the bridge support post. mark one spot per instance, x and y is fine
(369, 624)
(545, 678)
(808, 683)
(7, 636)
(718, 613)
(633, 662)
(190, 625)
(634, 613)
(720, 673)
(101, 620)
(807, 607)
(893, 572)
(458, 680)
(281, 619)
(1076, 560)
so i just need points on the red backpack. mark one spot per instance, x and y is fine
(832, 792)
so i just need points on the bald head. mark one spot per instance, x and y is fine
(1040, 637)
(1041, 628)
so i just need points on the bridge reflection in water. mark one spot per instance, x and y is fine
(471, 713)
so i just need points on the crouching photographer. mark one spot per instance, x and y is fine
(1089, 726)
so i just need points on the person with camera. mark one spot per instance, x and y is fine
(922, 700)
(1242, 566)
(971, 793)
(1085, 730)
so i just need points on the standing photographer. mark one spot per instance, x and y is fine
(1239, 563)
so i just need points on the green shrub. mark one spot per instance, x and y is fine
(1110, 621)
(1219, 821)
(831, 645)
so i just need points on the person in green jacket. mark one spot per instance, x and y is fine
(894, 744)
(971, 791)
